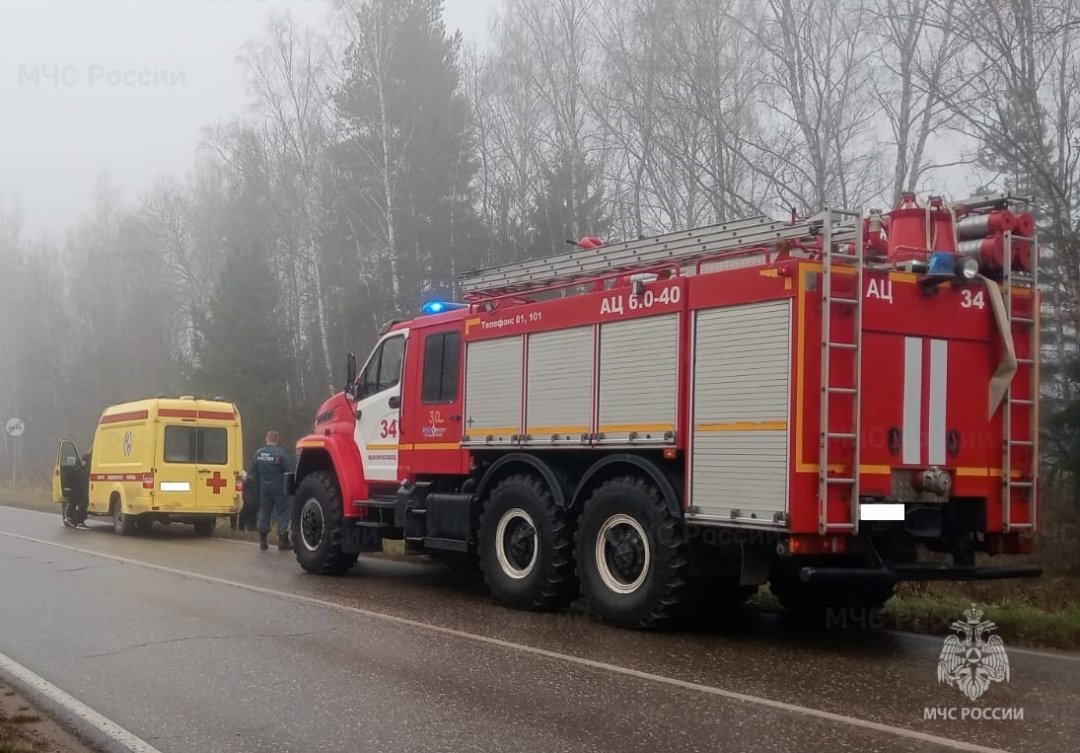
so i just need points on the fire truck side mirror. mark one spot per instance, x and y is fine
(350, 369)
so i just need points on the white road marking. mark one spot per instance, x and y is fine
(74, 706)
(865, 724)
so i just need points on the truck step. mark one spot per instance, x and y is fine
(385, 502)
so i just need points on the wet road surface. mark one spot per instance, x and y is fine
(212, 645)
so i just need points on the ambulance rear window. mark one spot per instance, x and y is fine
(196, 444)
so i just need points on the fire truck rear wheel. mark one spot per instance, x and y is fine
(527, 546)
(631, 554)
(318, 532)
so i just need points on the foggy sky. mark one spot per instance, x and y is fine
(125, 87)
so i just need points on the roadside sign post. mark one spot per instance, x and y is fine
(15, 428)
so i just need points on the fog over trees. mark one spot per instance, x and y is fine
(371, 166)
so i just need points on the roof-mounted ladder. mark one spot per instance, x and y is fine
(680, 249)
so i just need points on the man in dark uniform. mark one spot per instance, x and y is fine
(74, 511)
(268, 470)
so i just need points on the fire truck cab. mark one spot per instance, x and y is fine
(829, 406)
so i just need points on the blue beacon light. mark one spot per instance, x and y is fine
(439, 307)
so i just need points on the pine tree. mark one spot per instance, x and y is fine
(239, 345)
(569, 205)
(407, 158)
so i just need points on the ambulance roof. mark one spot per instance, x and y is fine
(170, 407)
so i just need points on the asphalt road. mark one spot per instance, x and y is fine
(211, 645)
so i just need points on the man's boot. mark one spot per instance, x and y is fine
(262, 542)
(283, 542)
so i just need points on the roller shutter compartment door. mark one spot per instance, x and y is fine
(741, 395)
(493, 391)
(559, 386)
(639, 368)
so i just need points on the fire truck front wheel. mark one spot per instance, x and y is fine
(631, 553)
(527, 546)
(318, 531)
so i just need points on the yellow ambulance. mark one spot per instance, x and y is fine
(165, 459)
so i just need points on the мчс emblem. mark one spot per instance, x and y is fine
(973, 658)
(127, 443)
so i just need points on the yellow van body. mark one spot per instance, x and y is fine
(165, 459)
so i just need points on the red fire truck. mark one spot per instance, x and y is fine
(829, 405)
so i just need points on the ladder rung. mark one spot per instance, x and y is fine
(838, 480)
(843, 346)
(839, 435)
(1022, 320)
(1025, 361)
(842, 255)
(847, 391)
(1019, 401)
(1020, 526)
(847, 301)
(1021, 484)
(1022, 442)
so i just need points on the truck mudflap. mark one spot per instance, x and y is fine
(918, 571)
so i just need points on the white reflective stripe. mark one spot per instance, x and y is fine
(939, 372)
(912, 454)
(881, 511)
(175, 486)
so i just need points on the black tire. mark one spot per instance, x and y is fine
(205, 528)
(527, 546)
(123, 523)
(631, 554)
(318, 531)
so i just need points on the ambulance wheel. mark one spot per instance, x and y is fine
(631, 554)
(205, 528)
(123, 523)
(318, 531)
(527, 546)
